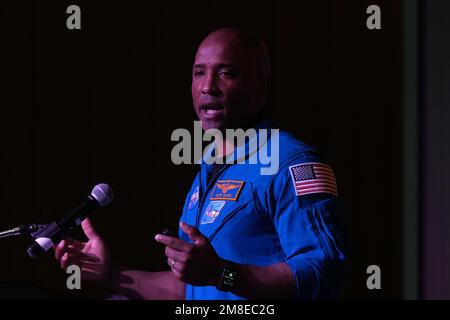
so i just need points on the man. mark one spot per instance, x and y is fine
(242, 234)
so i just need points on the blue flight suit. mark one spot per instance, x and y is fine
(256, 219)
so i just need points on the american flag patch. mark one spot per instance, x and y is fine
(313, 177)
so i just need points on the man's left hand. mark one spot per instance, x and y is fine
(195, 263)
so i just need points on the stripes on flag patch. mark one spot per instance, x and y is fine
(313, 177)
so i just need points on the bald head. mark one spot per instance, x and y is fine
(230, 79)
(250, 46)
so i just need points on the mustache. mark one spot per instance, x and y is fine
(212, 104)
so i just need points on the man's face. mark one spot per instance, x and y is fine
(224, 85)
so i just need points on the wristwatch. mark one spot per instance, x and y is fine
(228, 277)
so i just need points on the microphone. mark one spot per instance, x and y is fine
(53, 233)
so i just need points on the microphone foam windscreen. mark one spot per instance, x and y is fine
(103, 193)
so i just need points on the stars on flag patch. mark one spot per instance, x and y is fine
(313, 177)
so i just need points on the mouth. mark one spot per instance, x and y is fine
(211, 111)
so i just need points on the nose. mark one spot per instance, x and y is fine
(210, 87)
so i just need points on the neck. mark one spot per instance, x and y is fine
(224, 147)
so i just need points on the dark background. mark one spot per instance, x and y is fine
(99, 104)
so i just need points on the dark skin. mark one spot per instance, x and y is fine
(229, 81)
(229, 86)
(188, 259)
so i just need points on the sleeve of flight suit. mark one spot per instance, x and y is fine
(311, 233)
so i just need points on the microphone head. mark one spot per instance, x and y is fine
(103, 193)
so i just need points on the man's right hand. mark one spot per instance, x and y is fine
(92, 256)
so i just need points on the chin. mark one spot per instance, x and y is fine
(209, 125)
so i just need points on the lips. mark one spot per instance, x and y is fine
(211, 110)
(211, 106)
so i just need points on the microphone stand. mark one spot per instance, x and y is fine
(24, 230)
(36, 232)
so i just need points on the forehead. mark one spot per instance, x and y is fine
(215, 52)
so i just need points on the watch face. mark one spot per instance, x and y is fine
(228, 280)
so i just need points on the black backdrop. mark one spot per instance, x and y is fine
(100, 103)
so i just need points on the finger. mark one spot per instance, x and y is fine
(170, 261)
(176, 271)
(71, 257)
(176, 266)
(91, 258)
(60, 249)
(193, 233)
(67, 240)
(172, 242)
(74, 244)
(55, 245)
(89, 229)
(65, 244)
(175, 255)
(64, 263)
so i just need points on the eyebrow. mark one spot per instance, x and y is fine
(220, 65)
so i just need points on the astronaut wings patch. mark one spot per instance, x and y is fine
(313, 177)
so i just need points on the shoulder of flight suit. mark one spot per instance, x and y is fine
(292, 148)
(310, 226)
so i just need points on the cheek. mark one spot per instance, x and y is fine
(194, 92)
(240, 96)
(233, 90)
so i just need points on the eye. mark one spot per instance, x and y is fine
(198, 73)
(227, 74)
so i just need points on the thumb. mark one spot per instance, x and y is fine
(89, 229)
(193, 233)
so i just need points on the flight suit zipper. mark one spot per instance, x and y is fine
(202, 196)
(201, 201)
